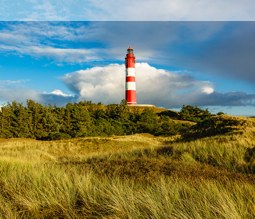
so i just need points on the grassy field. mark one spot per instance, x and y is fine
(138, 176)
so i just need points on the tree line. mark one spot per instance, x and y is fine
(37, 121)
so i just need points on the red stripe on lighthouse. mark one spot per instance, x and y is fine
(130, 79)
(130, 62)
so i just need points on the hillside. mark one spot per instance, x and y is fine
(207, 173)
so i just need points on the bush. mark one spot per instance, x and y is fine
(194, 113)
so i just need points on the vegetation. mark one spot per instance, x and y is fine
(138, 176)
(205, 169)
(194, 113)
(84, 119)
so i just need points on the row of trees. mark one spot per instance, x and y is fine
(82, 119)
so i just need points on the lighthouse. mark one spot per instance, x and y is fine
(130, 77)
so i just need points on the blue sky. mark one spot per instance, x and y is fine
(205, 62)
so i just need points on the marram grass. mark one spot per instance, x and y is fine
(138, 176)
(28, 191)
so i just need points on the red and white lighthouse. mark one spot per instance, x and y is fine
(130, 77)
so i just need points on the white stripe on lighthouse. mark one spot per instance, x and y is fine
(130, 86)
(130, 72)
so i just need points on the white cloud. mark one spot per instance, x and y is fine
(44, 10)
(106, 84)
(173, 10)
(58, 54)
(60, 93)
(33, 32)
(8, 37)
(5, 83)
(62, 54)
(154, 86)
(207, 90)
(100, 84)
(128, 10)
(56, 97)
(43, 39)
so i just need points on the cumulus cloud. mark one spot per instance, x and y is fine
(154, 86)
(60, 93)
(106, 84)
(56, 97)
(100, 84)
(207, 90)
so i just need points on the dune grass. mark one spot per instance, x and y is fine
(28, 191)
(138, 176)
(29, 150)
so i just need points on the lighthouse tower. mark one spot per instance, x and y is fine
(130, 77)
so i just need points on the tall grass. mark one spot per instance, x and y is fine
(28, 191)
(51, 151)
(137, 176)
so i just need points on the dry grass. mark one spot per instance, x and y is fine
(29, 192)
(28, 150)
(139, 176)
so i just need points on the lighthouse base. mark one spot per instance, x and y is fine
(142, 105)
(131, 97)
